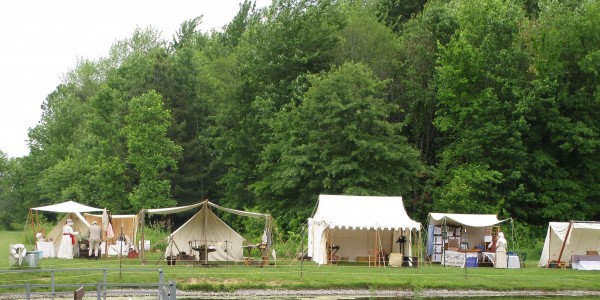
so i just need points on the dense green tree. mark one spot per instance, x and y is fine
(150, 151)
(413, 88)
(413, 85)
(562, 111)
(336, 140)
(295, 38)
(481, 76)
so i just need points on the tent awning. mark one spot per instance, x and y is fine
(473, 220)
(363, 212)
(67, 207)
(173, 210)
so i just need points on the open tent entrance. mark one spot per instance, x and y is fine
(206, 236)
(362, 228)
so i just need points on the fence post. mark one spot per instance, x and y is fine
(104, 283)
(52, 283)
(98, 291)
(161, 275)
(172, 290)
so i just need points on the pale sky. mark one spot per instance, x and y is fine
(41, 40)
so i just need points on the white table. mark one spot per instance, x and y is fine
(585, 262)
(513, 260)
(457, 259)
(114, 249)
(47, 249)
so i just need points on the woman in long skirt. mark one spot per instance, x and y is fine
(501, 259)
(67, 242)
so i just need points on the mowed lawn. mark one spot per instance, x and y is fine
(290, 274)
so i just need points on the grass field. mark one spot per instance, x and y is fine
(292, 274)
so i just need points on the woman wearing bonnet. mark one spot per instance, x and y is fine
(501, 259)
(68, 240)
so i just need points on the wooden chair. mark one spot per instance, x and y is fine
(374, 258)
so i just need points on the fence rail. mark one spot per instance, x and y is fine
(164, 290)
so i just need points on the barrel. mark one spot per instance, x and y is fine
(32, 259)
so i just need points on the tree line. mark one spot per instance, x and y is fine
(464, 106)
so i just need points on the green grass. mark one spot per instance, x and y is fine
(289, 274)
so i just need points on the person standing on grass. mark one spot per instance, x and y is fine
(501, 259)
(95, 237)
(68, 240)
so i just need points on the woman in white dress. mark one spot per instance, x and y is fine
(68, 240)
(501, 259)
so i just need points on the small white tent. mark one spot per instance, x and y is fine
(472, 226)
(205, 228)
(73, 211)
(565, 239)
(358, 224)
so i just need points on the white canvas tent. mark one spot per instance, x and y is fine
(565, 239)
(473, 226)
(205, 228)
(72, 211)
(359, 224)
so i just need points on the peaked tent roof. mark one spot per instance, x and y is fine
(473, 220)
(67, 207)
(363, 212)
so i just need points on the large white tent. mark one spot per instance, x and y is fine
(358, 224)
(565, 239)
(205, 228)
(72, 211)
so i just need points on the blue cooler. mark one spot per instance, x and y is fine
(471, 262)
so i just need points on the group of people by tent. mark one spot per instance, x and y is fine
(374, 229)
(200, 235)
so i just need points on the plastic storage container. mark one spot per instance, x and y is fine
(471, 262)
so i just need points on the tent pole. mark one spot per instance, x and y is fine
(444, 242)
(420, 254)
(563, 243)
(205, 237)
(143, 224)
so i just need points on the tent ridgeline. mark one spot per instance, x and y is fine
(172, 210)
